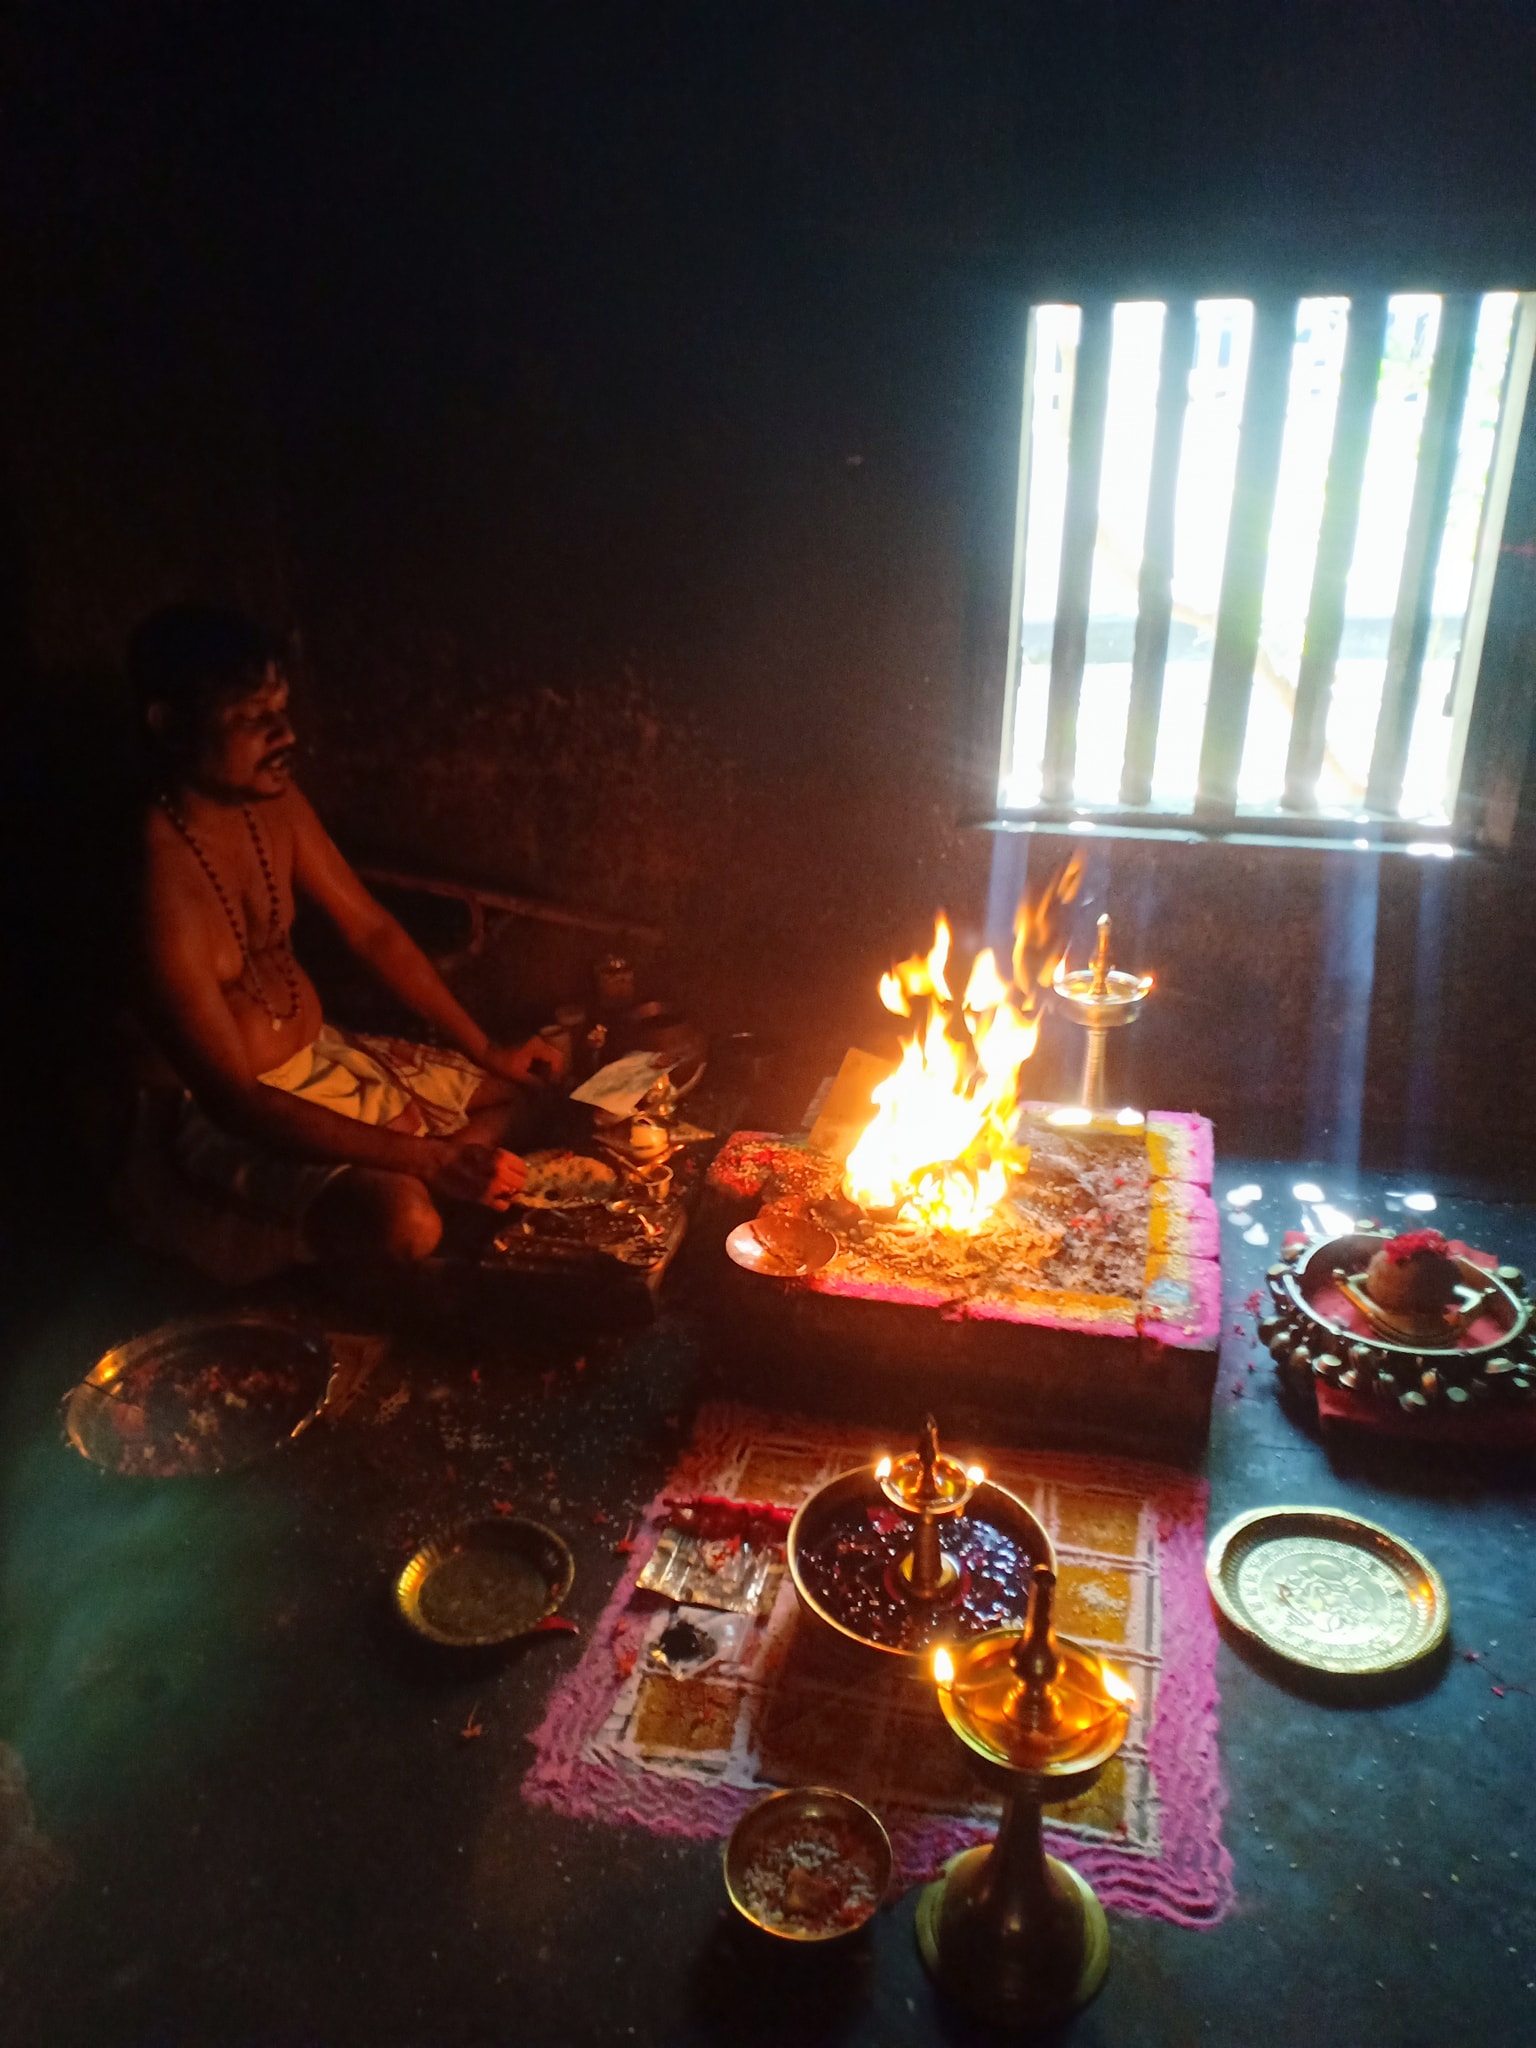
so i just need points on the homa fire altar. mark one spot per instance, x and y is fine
(1053, 1266)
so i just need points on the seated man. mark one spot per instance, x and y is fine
(335, 1145)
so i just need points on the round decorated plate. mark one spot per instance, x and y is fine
(1328, 1591)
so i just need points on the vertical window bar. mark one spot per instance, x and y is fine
(1242, 576)
(1069, 644)
(1335, 548)
(1154, 606)
(1439, 445)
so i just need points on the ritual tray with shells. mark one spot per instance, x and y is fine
(1479, 1355)
(1328, 1591)
(566, 1236)
(580, 1216)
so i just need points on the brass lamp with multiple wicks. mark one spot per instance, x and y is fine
(1011, 1933)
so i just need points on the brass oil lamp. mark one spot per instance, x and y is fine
(1016, 1936)
(892, 1585)
(1100, 998)
(930, 1488)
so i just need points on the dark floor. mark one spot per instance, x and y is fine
(278, 1835)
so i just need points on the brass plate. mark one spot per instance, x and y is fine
(774, 1821)
(484, 1582)
(746, 1248)
(1328, 1591)
(202, 1395)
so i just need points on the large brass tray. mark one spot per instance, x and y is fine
(990, 1500)
(203, 1395)
(1328, 1591)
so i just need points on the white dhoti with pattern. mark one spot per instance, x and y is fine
(236, 1209)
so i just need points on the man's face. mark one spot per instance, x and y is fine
(245, 754)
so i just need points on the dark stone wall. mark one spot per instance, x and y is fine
(622, 407)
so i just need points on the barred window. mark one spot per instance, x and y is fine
(1254, 555)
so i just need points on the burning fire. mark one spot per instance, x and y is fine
(941, 1148)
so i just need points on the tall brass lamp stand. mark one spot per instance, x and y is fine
(1014, 1935)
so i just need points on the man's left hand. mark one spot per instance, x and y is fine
(536, 1060)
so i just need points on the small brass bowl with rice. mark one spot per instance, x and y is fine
(809, 1864)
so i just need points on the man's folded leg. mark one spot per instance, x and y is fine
(366, 1217)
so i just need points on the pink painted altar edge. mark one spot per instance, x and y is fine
(1049, 1364)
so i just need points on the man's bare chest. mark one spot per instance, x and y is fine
(245, 899)
(256, 928)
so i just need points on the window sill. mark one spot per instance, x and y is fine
(1279, 830)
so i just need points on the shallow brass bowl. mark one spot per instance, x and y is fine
(1328, 1591)
(767, 1823)
(484, 1582)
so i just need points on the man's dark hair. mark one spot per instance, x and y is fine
(191, 657)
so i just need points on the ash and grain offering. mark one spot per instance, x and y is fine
(811, 1877)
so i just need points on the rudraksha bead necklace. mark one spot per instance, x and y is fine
(277, 938)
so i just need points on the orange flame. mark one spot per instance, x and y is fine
(1037, 950)
(940, 1148)
(1118, 1687)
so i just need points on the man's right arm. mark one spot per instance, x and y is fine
(193, 1022)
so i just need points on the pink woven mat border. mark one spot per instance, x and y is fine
(1188, 1881)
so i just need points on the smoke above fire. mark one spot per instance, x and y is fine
(940, 1149)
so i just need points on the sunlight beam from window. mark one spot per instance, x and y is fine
(1262, 576)
(1424, 781)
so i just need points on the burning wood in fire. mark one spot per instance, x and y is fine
(941, 1149)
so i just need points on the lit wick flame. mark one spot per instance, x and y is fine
(940, 1147)
(1070, 1114)
(1116, 1686)
(943, 1667)
(975, 1474)
(883, 1469)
